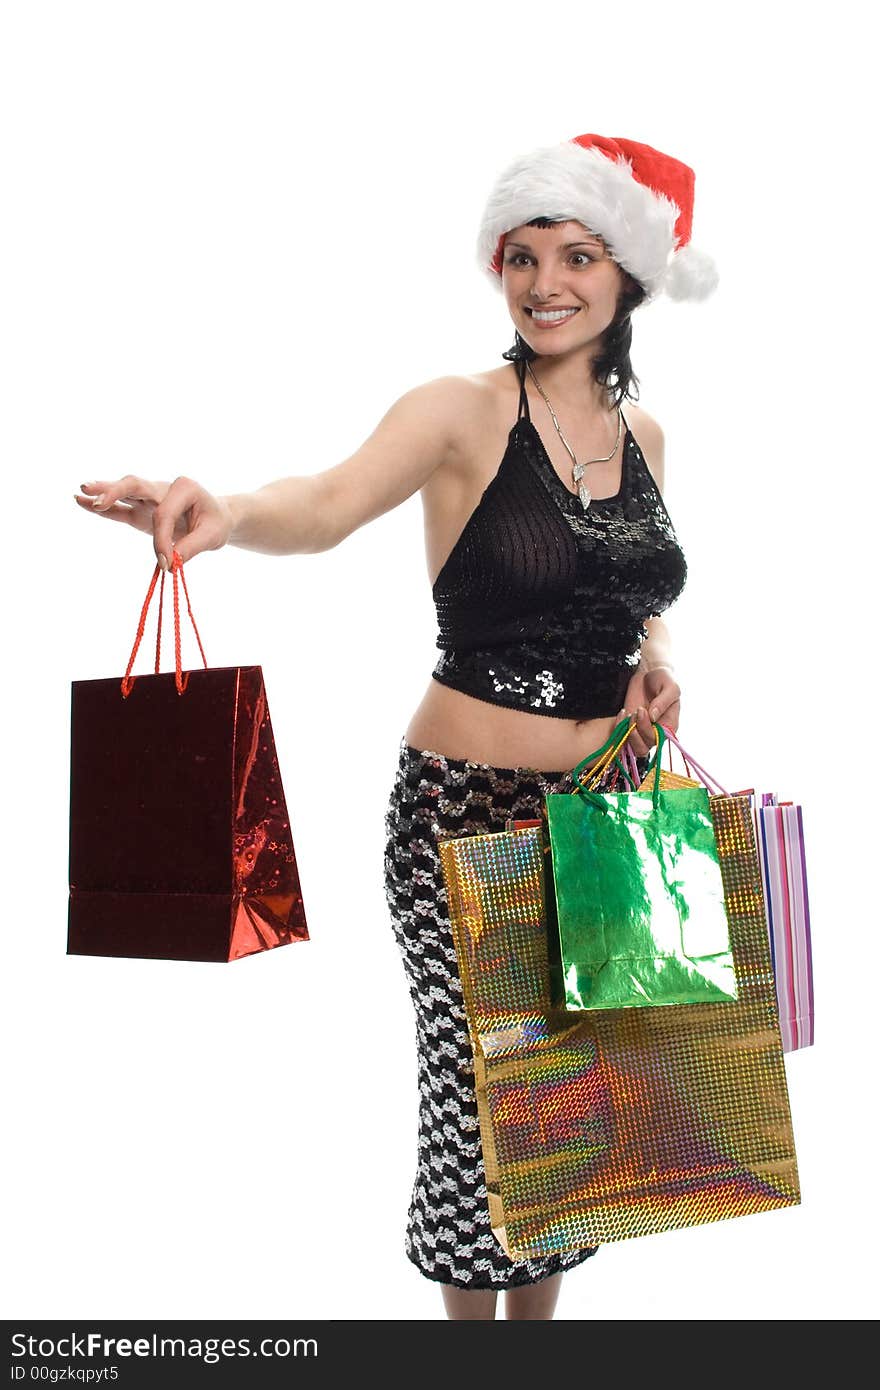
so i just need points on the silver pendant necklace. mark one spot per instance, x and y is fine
(577, 471)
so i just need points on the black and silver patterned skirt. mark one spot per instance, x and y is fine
(448, 1235)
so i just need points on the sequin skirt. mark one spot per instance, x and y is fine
(448, 1236)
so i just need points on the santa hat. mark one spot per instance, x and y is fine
(640, 201)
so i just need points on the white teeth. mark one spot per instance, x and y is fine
(551, 317)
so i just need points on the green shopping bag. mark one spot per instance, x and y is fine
(634, 896)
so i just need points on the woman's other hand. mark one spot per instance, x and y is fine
(182, 514)
(654, 697)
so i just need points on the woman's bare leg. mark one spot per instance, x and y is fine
(533, 1301)
(469, 1304)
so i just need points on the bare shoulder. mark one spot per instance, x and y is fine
(447, 397)
(649, 437)
(461, 409)
(421, 433)
(464, 396)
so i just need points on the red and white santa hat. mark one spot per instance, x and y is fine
(640, 201)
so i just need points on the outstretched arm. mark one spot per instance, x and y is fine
(309, 514)
(297, 515)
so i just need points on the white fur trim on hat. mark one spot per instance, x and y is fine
(571, 182)
(691, 274)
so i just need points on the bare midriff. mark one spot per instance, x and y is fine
(458, 725)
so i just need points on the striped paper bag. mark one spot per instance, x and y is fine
(779, 832)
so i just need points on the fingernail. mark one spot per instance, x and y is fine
(96, 501)
(163, 563)
(654, 713)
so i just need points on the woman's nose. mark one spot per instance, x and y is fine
(544, 289)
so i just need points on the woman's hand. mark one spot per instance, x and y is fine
(181, 511)
(655, 698)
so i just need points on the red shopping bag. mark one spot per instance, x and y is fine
(180, 842)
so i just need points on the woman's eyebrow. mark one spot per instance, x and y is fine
(566, 246)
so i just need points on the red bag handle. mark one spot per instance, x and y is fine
(180, 679)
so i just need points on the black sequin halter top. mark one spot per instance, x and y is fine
(541, 606)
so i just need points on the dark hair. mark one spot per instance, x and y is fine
(613, 359)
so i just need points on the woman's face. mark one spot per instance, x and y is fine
(565, 266)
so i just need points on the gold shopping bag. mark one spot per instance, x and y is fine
(609, 1124)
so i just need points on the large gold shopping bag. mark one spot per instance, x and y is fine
(608, 1124)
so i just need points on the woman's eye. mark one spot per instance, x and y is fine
(521, 256)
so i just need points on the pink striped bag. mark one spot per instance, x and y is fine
(779, 834)
(779, 830)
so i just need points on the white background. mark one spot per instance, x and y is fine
(182, 181)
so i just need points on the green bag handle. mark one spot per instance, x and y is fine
(597, 798)
(615, 737)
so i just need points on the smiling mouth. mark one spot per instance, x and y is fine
(567, 312)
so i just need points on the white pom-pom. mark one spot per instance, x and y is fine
(691, 274)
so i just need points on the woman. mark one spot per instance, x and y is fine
(550, 571)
